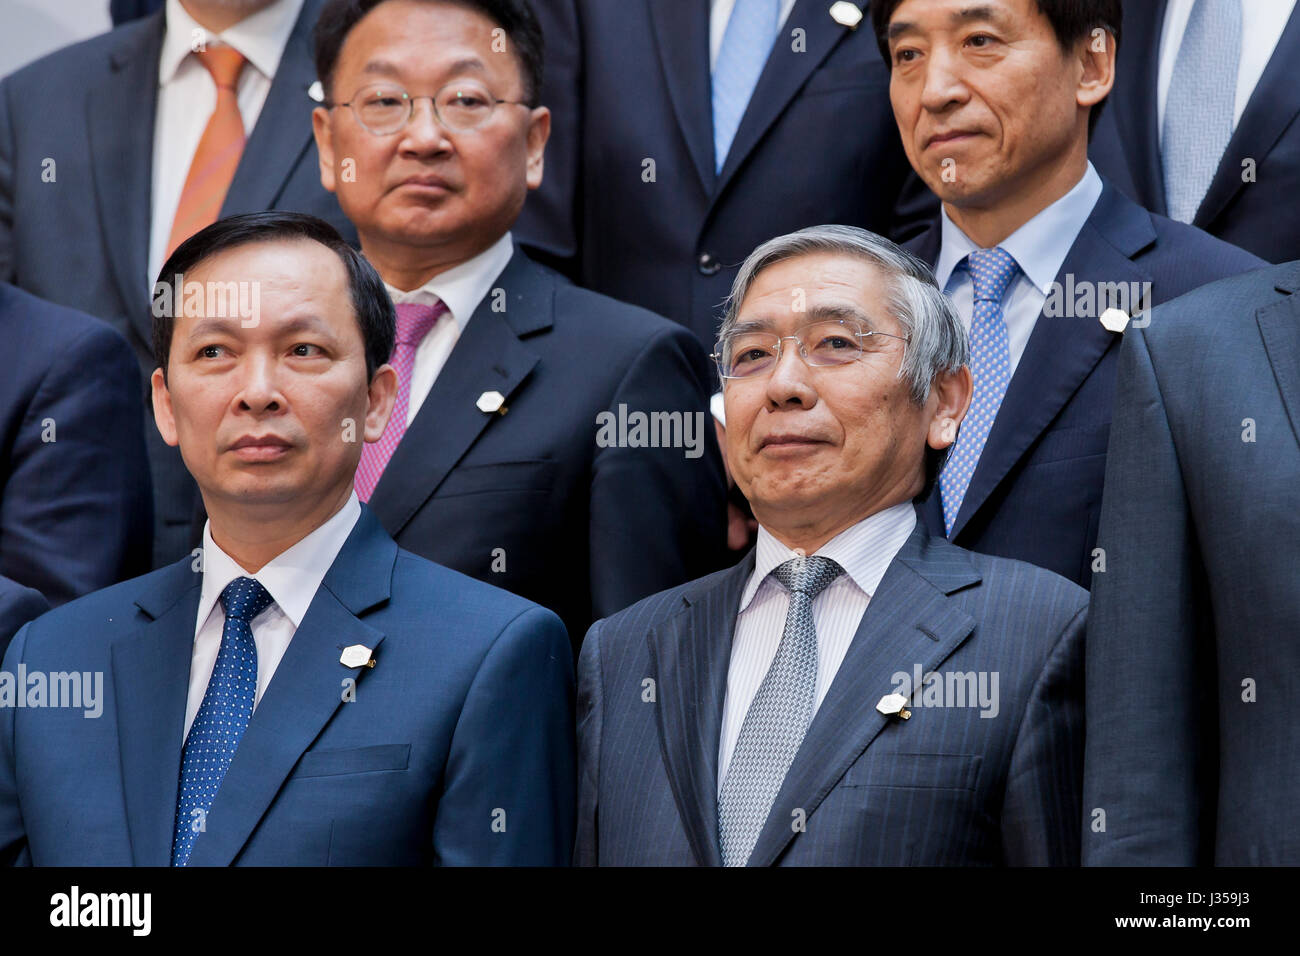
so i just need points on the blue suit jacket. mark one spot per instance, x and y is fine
(531, 500)
(1193, 741)
(83, 239)
(75, 507)
(1252, 214)
(18, 605)
(1036, 491)
(946, 786)
(628, 80)
(456, 749)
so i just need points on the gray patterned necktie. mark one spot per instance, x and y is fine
(1199, 110)
(779, 716)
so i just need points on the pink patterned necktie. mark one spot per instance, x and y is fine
(413, 324)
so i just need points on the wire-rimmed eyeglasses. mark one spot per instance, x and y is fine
(460, 106)
(753, 354)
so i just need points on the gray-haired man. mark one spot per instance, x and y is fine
(855, 691)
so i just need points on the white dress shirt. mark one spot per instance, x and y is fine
(291, 578)
(720, 16)
(1039, 248)
(187, 96)
(462, 289)
(864, 552)
(1262, 23)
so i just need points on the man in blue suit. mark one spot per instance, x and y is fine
(1044, 260)
(98, 144)
(1202, 125)
(686, 132)
(857, 690)
(304, 691)
(18, 605)
(549, 440)
(1193, 752)
(75, 507)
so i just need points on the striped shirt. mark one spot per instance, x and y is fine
(864, 551)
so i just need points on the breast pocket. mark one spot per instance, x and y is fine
(331, 763)
(1067, 444)
(518, 476)
(915, 771)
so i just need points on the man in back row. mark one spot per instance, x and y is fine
(514, 454)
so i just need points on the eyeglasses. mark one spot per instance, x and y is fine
(385, 108)
(821, 344)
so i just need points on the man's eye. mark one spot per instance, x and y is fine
(904, 56)
(307, 350)
(980, 40)
(210, 351)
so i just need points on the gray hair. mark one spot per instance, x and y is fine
(937, 339)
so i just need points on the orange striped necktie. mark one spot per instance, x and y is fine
(217, 155)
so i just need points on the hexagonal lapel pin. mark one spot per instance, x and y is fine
(894, 705)
(356, 655)
(490, 402)
(1114, 320)
(846, 14)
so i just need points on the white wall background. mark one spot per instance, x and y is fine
(29, 29)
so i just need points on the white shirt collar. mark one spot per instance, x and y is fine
(291, 577)
(1039, 246)
(261, 38)
(864, 551)
(463, 287)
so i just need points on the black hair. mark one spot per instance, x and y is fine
(1071, 20)
(515, 17)
(370, 301)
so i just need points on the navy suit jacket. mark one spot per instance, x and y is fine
(82, 239)
(18, 605)
(1193, 746)
(527, 498)
(1036, 491)
(1252, 214)
(75, 507)
(628, 81)
(946, 786)
(456, 748)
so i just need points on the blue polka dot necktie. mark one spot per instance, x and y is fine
(991, 272)
(778, 717)
(223, 715)
(746, 44)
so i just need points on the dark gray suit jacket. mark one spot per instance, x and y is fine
(946, 786)
(1193, 748)
(82, 240)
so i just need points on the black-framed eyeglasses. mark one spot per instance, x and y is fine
(831, 342)
(460, 106)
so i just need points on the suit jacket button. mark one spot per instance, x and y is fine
(708, 265)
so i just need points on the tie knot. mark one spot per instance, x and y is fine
(224, 63)
(807, 575)
(245, 598)
(415, 321)
(991, 271)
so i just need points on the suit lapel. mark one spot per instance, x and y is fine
(909, 621)
(283, 130)
(689, 659)
(1279, 326)
(1136, 113)
(151, 670)
(488, 357)
(305, 691)
(1061, 351)
(120, 120)
(681, 29)
(783, 75)
(1271, 109)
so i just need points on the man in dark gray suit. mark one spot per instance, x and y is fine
(98, 143)
(1193, 752)
(857, 690)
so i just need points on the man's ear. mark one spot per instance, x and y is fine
(1096, 54)
(382, 396)
(162, 408)
(539, 131)
(951, 394)
(320, 129)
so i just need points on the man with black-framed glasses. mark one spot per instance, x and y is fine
(496, 462)
(857, 691)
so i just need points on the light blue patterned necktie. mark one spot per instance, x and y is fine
(778, 717)
(223, 715)
(748, 40)
(1200, 104)
(991, 271)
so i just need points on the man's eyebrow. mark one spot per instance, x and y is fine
(958, 17)
(230, 326)
(752, 325)
(829, 311)
(387, 68)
